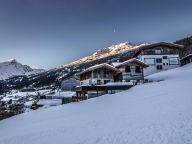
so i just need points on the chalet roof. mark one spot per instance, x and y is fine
(104, 65)
(133, 60)
(160, 44)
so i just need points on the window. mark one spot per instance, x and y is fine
(164, 57)
(99, 82)
(158, 51)
(158, 60)
(138, 69)
(127, 69)
(159, 67)
(95, 74)
(106, 73)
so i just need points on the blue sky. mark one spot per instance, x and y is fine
(50, 33)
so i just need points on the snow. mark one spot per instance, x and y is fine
(13, 68)
(152, 113)
(49, 102)
(65, 94)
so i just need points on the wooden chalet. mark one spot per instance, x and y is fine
(159, 56)
(98, 75)
(161, 48)
(132, 70)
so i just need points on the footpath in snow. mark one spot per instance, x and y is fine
(153, 113)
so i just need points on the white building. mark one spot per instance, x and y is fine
(159, 63)
(160, 56)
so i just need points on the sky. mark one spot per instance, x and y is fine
(50, 33)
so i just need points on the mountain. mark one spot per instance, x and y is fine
(104, 52)
(26, 76)
(12, 68)
(153, 113)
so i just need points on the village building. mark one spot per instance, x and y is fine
(159, 56)
(104, 78)
(69, 84)
(98, 75)
(132, 71)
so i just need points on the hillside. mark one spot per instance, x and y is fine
(158, 112)
(104, 52)
(53, 78)
(12, 68)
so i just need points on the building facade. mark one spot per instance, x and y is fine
(98, 75)
(160, 56)
(158, 63)
(132, 70)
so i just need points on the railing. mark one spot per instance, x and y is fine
(103, 76)
(132, 75)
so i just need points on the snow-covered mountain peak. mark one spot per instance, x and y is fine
(105, 52)
(14, 61)
(13, 67)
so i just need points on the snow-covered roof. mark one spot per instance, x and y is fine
(155, 45)
(103, 65)
(115, 64)
(131, 61)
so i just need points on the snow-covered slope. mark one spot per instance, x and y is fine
(153, 113)
(13, 68)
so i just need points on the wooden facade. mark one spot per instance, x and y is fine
(162, 48)
(132, 70)
(98, 75)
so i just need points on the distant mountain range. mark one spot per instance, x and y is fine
(12, 68)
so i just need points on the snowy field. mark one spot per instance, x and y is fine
(153, 113)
